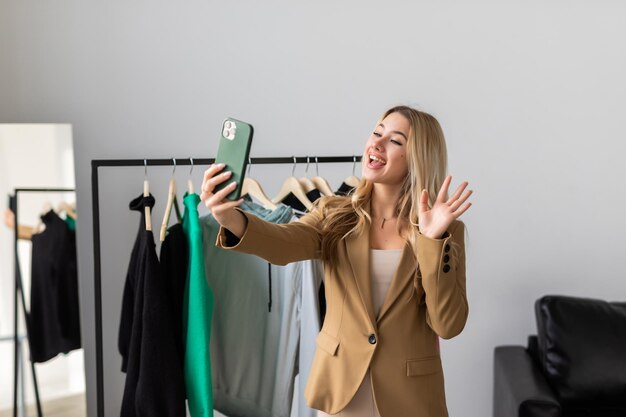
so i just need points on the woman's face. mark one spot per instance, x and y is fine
(385, 156)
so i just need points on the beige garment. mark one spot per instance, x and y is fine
(383, 268)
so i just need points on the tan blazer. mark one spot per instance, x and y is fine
(400, 346)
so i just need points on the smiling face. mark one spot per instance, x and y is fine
(386, 151)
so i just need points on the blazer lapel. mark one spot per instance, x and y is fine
(401, 278)
(359, 256)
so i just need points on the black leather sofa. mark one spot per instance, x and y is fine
(575, 366)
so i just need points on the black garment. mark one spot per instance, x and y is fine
(154, 376)
(134, 281)
(54, 322)
(69, 313)
(344, 189)
(174, 261)
(293, 202)
(321, 301)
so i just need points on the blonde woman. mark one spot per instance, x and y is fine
(394, 266)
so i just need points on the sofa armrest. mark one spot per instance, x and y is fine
(533, 350)
(520, 390)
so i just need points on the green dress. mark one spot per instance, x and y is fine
(197, 314)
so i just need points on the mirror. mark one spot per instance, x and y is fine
(39, 156)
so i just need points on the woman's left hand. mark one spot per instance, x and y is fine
(433, 222)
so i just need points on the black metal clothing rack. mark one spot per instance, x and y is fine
(97, 163)
(19, 295)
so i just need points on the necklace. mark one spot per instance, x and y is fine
(382, 224)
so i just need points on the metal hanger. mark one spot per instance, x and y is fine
(306, 182)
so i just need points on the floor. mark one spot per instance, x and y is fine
(73, 406)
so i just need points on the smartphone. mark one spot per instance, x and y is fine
(233, 152)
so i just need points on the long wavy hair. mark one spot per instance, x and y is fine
(427, 167)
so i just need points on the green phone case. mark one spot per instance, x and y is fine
(234, 151)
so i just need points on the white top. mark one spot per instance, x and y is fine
(383, 266)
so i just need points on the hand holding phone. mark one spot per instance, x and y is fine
(233, 152)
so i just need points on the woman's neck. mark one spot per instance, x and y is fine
(384, 200)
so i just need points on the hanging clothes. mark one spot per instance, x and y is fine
(174, 263)
(133, 284)
(292, 201)
(300, 210)
(154, 376)
(197, 314)
(311, 320)
(255, 353)
(251, 369)
(54, 318)
(71, 223)
(69, 303)
(344, 189)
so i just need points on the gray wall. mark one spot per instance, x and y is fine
(530, 94)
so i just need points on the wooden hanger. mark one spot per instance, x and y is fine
(171, 202)
(40, 226)
(352, 181)
(320, 183)
(146, 193)
(252, 188)
(47, 206)
(307, 184)
(293, 186)
(67, 208)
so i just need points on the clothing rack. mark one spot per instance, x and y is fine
(97, 163)
(20, 351)
(19, 295)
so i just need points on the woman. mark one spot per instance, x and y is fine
(394, 266)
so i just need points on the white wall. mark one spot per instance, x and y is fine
(33, 155)
(530, 95)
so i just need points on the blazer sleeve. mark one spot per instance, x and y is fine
(443, 278)
(278, 244)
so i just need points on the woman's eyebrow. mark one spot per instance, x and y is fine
(400, 133)
(395, 131)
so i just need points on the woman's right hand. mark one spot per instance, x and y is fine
(222, 209)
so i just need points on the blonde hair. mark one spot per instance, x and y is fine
(427, 167)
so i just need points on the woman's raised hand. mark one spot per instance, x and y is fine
(435, 221)
(222, 209)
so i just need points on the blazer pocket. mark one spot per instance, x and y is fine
(424, 366)
(327, 343)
